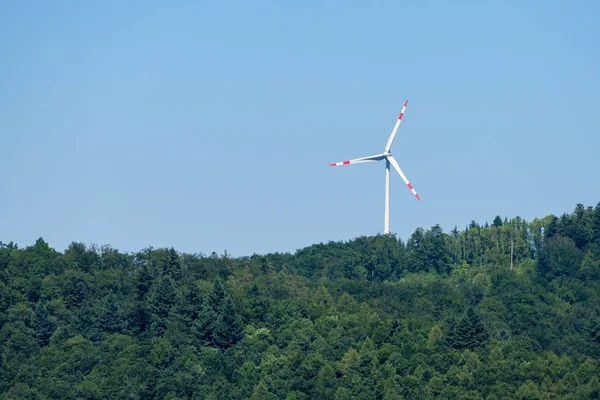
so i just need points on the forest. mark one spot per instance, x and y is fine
(502, 310)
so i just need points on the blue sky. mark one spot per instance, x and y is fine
(208, 126)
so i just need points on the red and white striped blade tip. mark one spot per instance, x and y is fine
(339, 163)
(403, 109)
(412, 189)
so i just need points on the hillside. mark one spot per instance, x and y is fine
(500, 311)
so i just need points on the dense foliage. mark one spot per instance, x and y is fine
(509, 310)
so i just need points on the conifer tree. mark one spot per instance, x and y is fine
(497, 221)
(216, 298)
(262, 393)
(469, 332)
(160, 299)
(171, 264)
(204, 325)
(228, 329)
(112, 318)
(42, 326)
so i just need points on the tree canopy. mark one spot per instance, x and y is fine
(504, 310)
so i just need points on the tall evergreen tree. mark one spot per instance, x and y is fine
(42, 325)
(160, 299)
(172, 264)
(262, 393)
(216, 298)
(188, 303)
(469, 332)
(552, 227)
(203, 326)
(143, 280)
(228, 329)
(112, 319)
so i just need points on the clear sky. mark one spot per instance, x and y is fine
(209, 126)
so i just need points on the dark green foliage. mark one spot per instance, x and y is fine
(496, 311)
(203, 326)
(596, 224)
(227, 329)
(468, 333)
(559, 257)
(218, 323)
(42, 326)
(262, 393)
(112, 318)
(552, 228)
(188, 303)
(161, 297)
(497, 222)
(82, 258)
(429, 251)
(171, 264)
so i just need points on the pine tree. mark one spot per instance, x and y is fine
(262, 393)
(593, 388)
(216, 298)
(160, 299)
(497, 221)
(469, 333)
(171, 264)
(188, 304)
(143, 281)
(552, 227)
(42, 325)
(112, 318)
(86, 321)
(203, 326)
(215, 317)
(228, 329)
(455, 232)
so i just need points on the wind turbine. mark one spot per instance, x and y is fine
(387, 156)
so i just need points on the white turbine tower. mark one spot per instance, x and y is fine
(387, 156)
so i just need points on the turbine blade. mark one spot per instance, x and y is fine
(388, 146)
(392, 161)
(377, 157)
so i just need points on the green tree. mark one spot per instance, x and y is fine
(203, 326)
(497, 222)
(325, 384)
(437, 251)
(42, 325)
(590, 266)
(160, 300)
(188, 303)
(262, 393)
(593, 388)
(559, 257)
(79, 256)
(112, 318)
(228, 329)
(172, 264)
(469, 332)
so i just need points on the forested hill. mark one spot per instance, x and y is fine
(509, 310)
